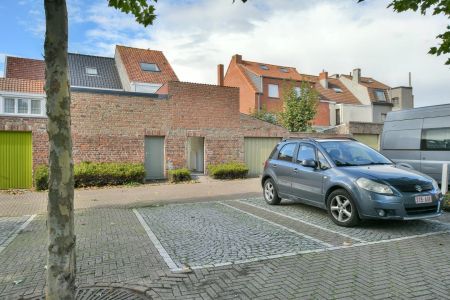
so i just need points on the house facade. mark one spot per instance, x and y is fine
(261, 86)
(342, 98)
(116, 118)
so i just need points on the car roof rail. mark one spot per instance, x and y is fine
(319, 138)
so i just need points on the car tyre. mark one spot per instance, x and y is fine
(270, 192)
(342, 209)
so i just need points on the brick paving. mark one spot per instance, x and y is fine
(30, 202)
(211, 233)
(368, 231)
(9, 226)
(113, 249)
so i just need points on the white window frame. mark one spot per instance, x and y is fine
(91, 68)
(28, 98)
(269, 89)
(298, 91)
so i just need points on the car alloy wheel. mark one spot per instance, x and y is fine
(341, 208)
(271, 193)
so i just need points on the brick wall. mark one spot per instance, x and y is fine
(112, 126)
(38, 128)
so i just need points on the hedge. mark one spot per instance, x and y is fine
(179, 175)
(96, 174)
(231, 170)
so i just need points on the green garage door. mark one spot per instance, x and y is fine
(257, 151)
(15, 160)
(370, 140)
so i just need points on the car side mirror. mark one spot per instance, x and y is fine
(309, 163)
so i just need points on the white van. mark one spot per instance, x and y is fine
(418, 138)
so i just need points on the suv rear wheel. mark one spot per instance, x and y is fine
(342, 209)
(271, 193)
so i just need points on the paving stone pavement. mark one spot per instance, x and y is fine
(368, 231)
(8, 227)
(211, 233)
(113, 249)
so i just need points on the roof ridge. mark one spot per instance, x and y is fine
(261, 63)
(82, 54)
(20, 57)
(148, 49)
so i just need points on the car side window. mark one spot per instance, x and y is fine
(287, 152)
(306, 152)
(323, 163)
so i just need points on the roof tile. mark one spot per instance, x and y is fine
(22, 85)
(24, 68)
(273, 71)
(132, 57)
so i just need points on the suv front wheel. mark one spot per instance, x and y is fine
(342, 209)
(271, 193)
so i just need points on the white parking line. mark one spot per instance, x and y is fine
(16, 232)
(304, 222)
(281, 226)
(167, 259)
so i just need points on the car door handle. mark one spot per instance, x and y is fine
(295, 170)
(274, 165)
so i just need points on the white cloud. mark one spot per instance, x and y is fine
(309, 35)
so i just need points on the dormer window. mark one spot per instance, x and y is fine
(91, 71)
(380, 96)
(150, 67)
(284, 70)
(337, 90)
(264, 67)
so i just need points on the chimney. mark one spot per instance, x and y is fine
(356, 75)
(237, 58)
(323, 79)
(220, 75)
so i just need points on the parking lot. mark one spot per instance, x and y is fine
(215, 234)
(228, 249)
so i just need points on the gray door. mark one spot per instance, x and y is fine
(307, 182)
(154, 157)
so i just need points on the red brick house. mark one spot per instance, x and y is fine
(116, 118)
(261, 85)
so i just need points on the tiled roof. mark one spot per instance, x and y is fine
(107, 78)
(24, 68)
(22, 85)
(132, 57)
(272, 71)
(372, 85)
(330, 94)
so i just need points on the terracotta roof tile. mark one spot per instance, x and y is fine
(24, 68)
(22, 85)
(330, 94)
(273, 71)
(372, 85)
(132, 57)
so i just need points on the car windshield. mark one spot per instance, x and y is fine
(351, 153)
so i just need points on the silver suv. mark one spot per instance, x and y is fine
(350, 180)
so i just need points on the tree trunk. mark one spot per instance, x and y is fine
(60, 215)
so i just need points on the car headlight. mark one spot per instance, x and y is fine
(373, 186)
(435, 185)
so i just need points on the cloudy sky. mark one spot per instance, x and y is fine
(196, 35)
